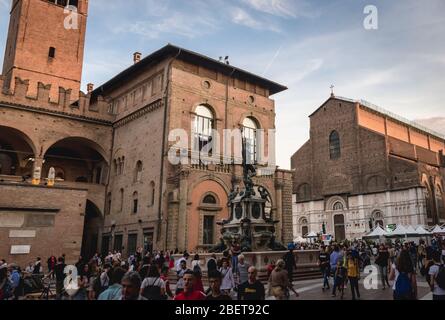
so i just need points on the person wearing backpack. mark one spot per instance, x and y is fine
(404, 277)
(437, 277)
(153, 287)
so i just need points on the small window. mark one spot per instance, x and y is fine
(52, 52)
(135, 203)
(209, 199)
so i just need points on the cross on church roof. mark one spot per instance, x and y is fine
(332, 90)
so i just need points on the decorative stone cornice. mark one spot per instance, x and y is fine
(138, 114)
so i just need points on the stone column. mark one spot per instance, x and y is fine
(181, 231)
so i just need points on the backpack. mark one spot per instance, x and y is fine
(440, 278)
(403, 287)
(152, 292)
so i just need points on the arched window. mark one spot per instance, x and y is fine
(202, 127)
(209, 199)
(338, 206)
(377, 217)
(151, 198)
(138, 172)
(135, 202)
(122, 165)
(334, 145)
(115, 167)
(121, 200)
(304, 227)
(304, 191)
(250, 128)
(440, 203)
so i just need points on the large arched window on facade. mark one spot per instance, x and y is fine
(138, 172)
(203, 125)
(250, 127)
(439, 203)
(334, 145)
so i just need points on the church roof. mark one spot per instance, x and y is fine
(192, 57)
(386, 113)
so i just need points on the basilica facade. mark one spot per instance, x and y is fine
(364, 166)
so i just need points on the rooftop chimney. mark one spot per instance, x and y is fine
(136, 57)
(90, 87)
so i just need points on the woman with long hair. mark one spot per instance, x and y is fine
(404, 277)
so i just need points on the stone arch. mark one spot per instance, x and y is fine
(87, 142)
(333, 200)
(303, 224)
(202, 218)
(216, 113)
(17, 152)
(78, 157)
(206, 178)
(93, 223)
(253, 117)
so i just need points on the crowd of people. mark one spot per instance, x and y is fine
(149, 276)
(398, 262)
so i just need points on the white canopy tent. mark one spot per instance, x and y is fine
(410, 230)
(422, 232)
(312, 235)
(400, 231)
(300, 239)
(376, 233)
(438, 229)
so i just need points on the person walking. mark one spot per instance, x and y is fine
(353, 269)
(437, 277)
(59, 272)
(404, 277)
(290, 264)
(228, 281)
(279, 282)
(382, 261)
(180, 277)
(323, 262)
(334, 259)
(252, 289)
(242, 271)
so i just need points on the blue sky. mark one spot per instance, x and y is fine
(306, 45)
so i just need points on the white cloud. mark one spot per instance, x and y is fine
(242, 17)
(282, 8)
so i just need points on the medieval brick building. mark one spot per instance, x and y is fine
(364, 166)
(114, 185)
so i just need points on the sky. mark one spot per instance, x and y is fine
(307, 45)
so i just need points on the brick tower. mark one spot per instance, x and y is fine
(46, 44)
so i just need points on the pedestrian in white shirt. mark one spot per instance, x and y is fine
(228, 281)
(437, 288)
